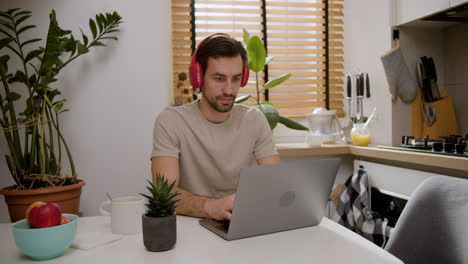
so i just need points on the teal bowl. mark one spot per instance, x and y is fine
(44, 243)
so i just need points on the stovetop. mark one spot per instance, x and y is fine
(453, 145)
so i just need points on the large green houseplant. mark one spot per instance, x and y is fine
(258, 59)
(31, 105)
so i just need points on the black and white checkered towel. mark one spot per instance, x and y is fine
(353, 212)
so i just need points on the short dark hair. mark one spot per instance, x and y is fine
(220, 46)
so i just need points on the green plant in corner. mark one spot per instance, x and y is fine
(257, 56)
(161, 200)
(33, 135)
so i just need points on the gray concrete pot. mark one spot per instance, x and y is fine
(159, 233)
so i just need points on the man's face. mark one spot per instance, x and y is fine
(222, 80)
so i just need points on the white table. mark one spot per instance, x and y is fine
(325, 243)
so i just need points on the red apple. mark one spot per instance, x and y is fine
(65, 220)
(46, 215)
(36, 203)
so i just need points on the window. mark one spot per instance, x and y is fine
(305, 37)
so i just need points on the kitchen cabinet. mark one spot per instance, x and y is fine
(457, 2)
(405, 11)
(409, 12)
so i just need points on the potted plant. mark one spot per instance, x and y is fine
(159, 221)
(31, 107)
(257, 57)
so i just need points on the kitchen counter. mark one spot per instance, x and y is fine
(373, 152)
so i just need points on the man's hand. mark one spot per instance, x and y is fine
(219, 209)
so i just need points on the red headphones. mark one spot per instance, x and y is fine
(196, 71)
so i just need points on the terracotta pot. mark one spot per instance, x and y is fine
(159, 233)
(18, 201)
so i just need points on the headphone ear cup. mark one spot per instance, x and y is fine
(196, 75)
(245, 75)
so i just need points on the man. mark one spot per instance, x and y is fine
(203, 145)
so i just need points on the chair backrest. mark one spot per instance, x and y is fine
(433, 227)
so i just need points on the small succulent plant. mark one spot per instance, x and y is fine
(161, 202)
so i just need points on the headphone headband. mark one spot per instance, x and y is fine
(196, 71)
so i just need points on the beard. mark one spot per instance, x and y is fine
(219, 106)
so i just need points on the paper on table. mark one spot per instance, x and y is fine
(89, 240)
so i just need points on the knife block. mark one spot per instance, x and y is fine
(445, 123)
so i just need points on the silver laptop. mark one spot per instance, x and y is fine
(279, 197)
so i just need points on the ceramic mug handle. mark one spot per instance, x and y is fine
(101, 208)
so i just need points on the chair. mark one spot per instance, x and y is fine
(433, 227)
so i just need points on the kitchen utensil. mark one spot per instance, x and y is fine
(325, 123)
(359, 83)
(361, 97)
(433, 77)
(429, 113)
(426, 80)
(367, 86)
(349, 126)
(370, 118)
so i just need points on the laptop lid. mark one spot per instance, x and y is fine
(279, 197)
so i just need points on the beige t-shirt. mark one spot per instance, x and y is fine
(211, 155)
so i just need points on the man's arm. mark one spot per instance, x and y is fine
(191, 204)
(273, 159)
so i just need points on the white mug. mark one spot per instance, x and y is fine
(125, 214)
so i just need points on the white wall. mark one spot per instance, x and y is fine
(367, 37)
(114, 94)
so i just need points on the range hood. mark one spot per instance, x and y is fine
(455, 14)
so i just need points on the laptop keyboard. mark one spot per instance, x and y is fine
(223, 225)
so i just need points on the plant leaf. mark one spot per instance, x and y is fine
(4, 42)
(5, 15)
(99, 22)
(97, 43)
(53, 48)
(32, 78)
(14, 50)
(21, 19)
(20, 76)
(13, 96)
(48, 100)
(30, 41)
(268, 60)
(11, 11)
(241, 99)
(270, 113)
(21, 30)
(32, 54)
(246, 36)
(277, 81)
(6, 33)
(82, 49)
(291, 123)
(7, 25)
(85, 38)
(257, 54)
(112, 30)
(92, 26)
(24, 12)
(58, 107)
(111, 37)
